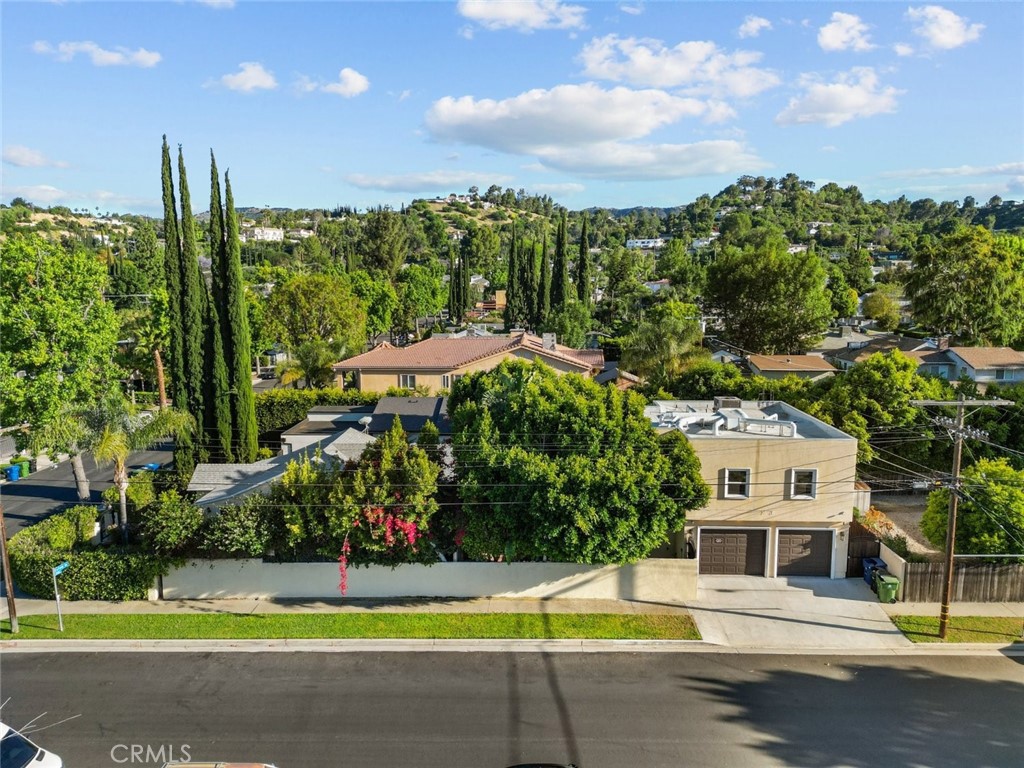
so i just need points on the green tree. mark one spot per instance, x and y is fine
(771, 301)
(686, 275)
(312, 362)
(384, 245)
(559, 468)
(664, 342)
(217, 419)
(516, 308)
(58, 332)
(560, 287)
(990, 517)
(310, 307)
(843, 297)
(970, 284)
(126, 429)
(193, 301)
(172, 271)
(584, 276)
(882, 307)
(379, 299)
(569, 324)
(543, 285)
(243, 416)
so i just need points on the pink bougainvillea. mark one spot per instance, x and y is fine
(346, 550)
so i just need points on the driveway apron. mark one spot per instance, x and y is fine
(792, 612)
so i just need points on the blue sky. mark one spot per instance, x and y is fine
(610, 104)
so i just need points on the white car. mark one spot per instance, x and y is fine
(18, 752)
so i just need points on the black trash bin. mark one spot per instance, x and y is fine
(870, 563)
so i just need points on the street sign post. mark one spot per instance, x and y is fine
(57, 571)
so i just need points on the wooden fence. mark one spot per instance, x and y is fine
(972, 583)
(863, 543)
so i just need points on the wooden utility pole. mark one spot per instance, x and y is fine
(8, 581)
(958, 431)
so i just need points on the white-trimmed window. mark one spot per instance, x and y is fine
(737, 483)
(407, 380)
(804, 484)
(446, 380)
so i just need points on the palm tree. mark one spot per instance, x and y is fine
(312, 362)
(127, 429)
(152, 335)
(70, 432)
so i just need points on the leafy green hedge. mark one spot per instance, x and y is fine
(278, 409)
(93, 574)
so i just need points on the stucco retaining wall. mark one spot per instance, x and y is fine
(659, 580)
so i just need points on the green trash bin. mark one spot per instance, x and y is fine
(888, 586)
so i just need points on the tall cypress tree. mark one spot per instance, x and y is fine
(528, 259)
(543, 285)
(513, 291)
(453, 287)
(246, 429)
(172, 273)
(560, 287)
(217, 419)
(583, 277)
(192, 300)
(464, 280)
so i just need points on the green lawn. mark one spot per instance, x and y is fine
(193, 626)
(962, 629)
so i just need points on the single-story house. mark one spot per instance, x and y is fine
(987, 365)
(324, 421)
(782, 488)
(223, 484)
(811, 367)
(857, 351)
(436, 363)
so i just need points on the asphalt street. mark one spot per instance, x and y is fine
(42, 493)
(495, 710)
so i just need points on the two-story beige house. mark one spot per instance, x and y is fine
(782, 488)
(436, 363)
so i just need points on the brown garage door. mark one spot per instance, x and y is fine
(805, 553)
(732, 551)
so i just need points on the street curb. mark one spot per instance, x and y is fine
(482, 646)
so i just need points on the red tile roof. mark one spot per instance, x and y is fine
(448, 354)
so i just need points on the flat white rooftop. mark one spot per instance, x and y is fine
(740, 420)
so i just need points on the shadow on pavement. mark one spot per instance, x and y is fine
(865, 717)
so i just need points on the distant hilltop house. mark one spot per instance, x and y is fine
(437, 363)
(702, 242)
(262, 234)
(299, 234)
(649, 243)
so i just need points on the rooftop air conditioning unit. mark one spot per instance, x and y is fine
(727, 401)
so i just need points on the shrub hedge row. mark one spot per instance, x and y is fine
(92, 574)
(278, 409)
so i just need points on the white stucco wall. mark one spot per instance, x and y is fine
(661, 580)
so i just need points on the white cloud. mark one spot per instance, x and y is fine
(25, 157)
(350, 83)
(587, 130)
(250, 77)
(40, 194)
(566, 188)
(563, 115)
(645, 162)
(903, 49)
(753, 26)
(304, 84)
(218, 4)
(404, 95)
(100, 57)
(466, 31)
(633, 9)
(1000, 169)
(942, 28)
(854, 94)
(523, 15)
(699, 66)
(845, 32)
(416, 182)
(829, 148)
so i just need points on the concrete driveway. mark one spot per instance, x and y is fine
(792, 612)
